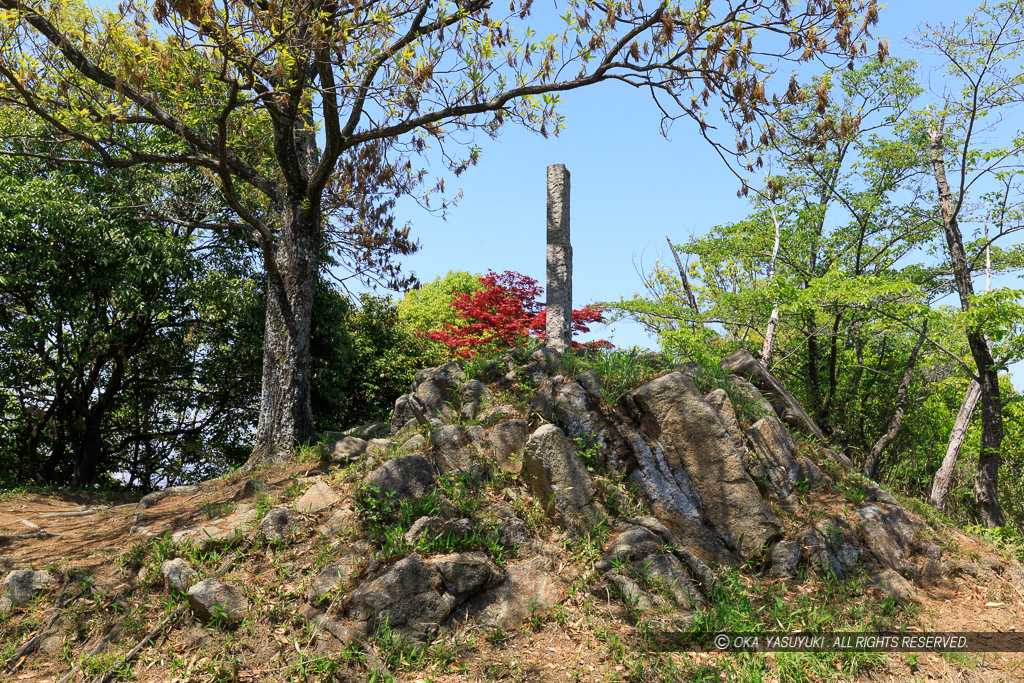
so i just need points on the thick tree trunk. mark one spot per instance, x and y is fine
(944, 477)
(986, 480)
(286, 416)
(871, 464)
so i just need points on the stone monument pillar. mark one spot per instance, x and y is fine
(559, 289)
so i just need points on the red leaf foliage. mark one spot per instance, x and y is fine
(505, 313)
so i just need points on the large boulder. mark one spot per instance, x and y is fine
(829, 548)
(557, 476)
(403, 478)
(636, 557)
(742, 362)
(694, 440)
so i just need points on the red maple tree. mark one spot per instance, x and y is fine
(505, 313)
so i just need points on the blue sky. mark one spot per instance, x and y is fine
(630, 186)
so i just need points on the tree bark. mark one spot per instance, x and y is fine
(768, 348)
(871, 464)
(944, 477)
(986, 479)
(286, 415)
(690, 298)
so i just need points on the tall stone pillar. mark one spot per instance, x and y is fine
(559, 289)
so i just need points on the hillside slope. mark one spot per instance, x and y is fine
(531, 521)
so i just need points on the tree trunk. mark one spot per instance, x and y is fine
(986, 480)
(871, 464)
(944, 477)
(286, 416)
(690, 298)
(768, 348)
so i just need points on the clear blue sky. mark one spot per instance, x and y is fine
(630, 185)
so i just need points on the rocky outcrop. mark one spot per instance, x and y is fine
(431, 396)
(777, 453)
(692, 439)
(414, 597)
(402, 478)
(830, 548)
(557, 476)
(529, 585)
(887, 534)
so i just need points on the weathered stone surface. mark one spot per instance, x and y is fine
(317, 497)
(279, 525)
(371, 430)
(378, 449)
(693, 439)
(430, 397)
(403, 478)
(576, 413)
(530, 584)
(933, 567)
(719, 400)
(472, 396)
(453, 452)
(591, 383)
(416, 596)
(416, 442)
(466, 573)
(211, 599)
(21, 585)
(888, 534)
(507, 441)
(891, 583)
(776, 449)
(511, 530)
(556, 475)
(497, 414)
(638, 554)
(344, 450)
(756, 404)
(327, 581)
(340, 522)
(742, 362)
(432, 527)
(829, 548)
(238, 522)
(178, 575)
(151, 499)
(785, 559)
